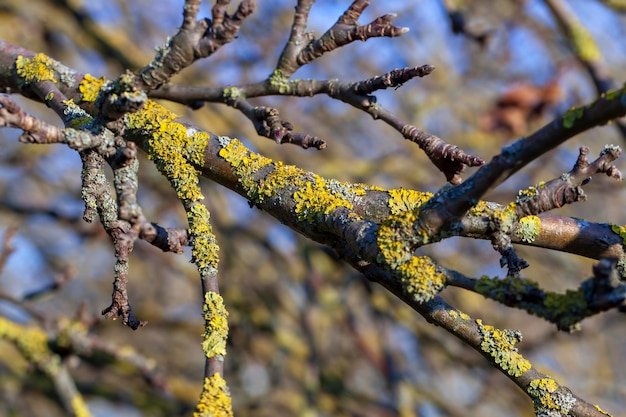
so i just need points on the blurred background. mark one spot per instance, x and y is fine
(309, 337)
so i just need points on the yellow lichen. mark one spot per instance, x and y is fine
(38, 68)
(215, 399)
(528, 229)
(404, 200)
(312, 194)
(500, 345)
(391, 238)
(216, 325)
(90, 87)
(548, 399)
(177, 150)
(421, 278)
(204, 251)
(315, 199)
(173, 150)
(502, 218)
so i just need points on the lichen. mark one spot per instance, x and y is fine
(503, 218)
(313, 195)
(568, 309)
(177, 150)
(231, 93)
(204, 251)
(528, 229)
(565, 310)
(314, 199)
(620, 231)
(404, 200)
(549, 400)
(529, 193)
(215, 399)
(500, 345)
(90, 87)
(216, 325)
(572, 115)
(75, 116)
(280, 82)
(421, 279)
(38, 68)
(172, 149)
(392, 238)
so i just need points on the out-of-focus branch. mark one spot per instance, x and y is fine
(586, 50)
(92, 29)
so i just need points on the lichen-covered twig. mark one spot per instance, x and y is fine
(520, 217)
(605, 290)
(496, 345)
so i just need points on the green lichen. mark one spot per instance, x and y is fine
(549, 399)
(615, 94)
(528, 229)
(500, 345)
(215, 400)
(216, 325)
(421, 278)
(35, 69)
(565, 310)
(573, 114)
(280, 82)
(90, 87)
(620, 231)
(405, 200)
